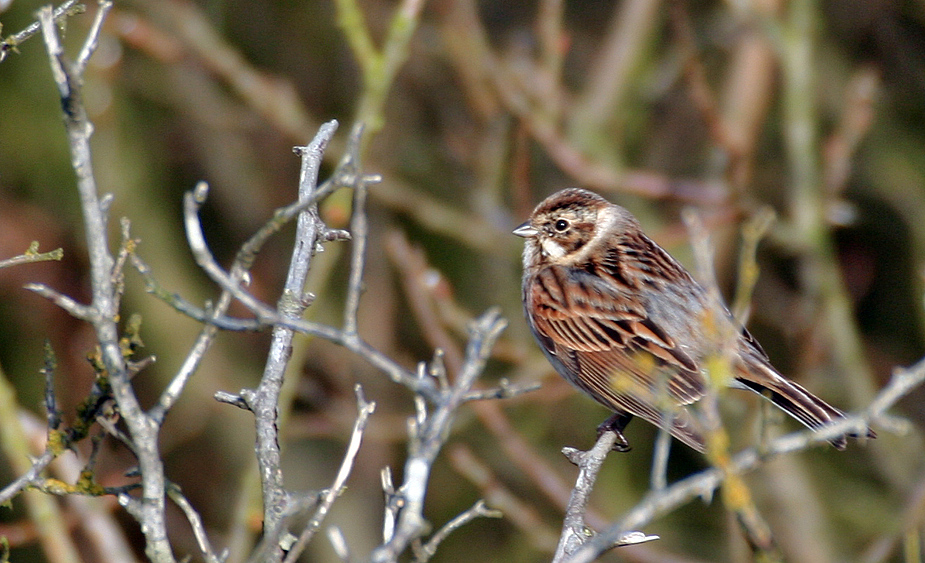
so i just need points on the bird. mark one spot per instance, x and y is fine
(623, 321)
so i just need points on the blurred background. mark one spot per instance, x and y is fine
(814, 110)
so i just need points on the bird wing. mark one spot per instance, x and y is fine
(597, 331)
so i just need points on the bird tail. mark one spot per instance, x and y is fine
(799, 403)
(685, 427)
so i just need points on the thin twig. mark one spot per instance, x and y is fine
(199, 531)
(359, 232)
(270, 316)
(365, 409)
(429, 433)
(517, 511)
(15, 439)
(93, 37)
(67, 9)
(478, 510)
(73, 308)
(291, 305)
(17, 485)
(33, 255)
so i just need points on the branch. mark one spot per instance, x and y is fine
(574, 529)
(11, 43)
(176, 495)
(365, 410)
(266, 315)
(33, 255)
(479, 509)
(704, 483)
(104, 309)
(264, 404)
(518, 512)
(429, 432)
(73, 308)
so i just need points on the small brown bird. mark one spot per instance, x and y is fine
(623, 321)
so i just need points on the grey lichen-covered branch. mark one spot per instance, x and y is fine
(104, 307)
(115, 369)
(437, 401)
(265, 399)
(404, 518)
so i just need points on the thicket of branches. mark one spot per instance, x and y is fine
(237, 354)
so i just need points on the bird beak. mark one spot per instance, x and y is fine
(526, 230)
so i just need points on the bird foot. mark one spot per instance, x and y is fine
(616, 424)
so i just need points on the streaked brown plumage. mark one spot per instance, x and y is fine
(622, 320)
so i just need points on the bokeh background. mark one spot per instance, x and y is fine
(813, 109)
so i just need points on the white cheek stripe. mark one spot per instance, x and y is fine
(605, 219)
(552, 248)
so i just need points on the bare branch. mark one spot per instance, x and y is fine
(73, 308)
(365, 410)
(478, 510)
(266, 398)
(65, 10)
(359, 232)
(705, 482)
(429, 434)
(33, 255)
(233, 400)
(105, 303)
(517, 511)
(93, 36)
(16, 486)
(574, 530)
(176, 495)
(269, 316)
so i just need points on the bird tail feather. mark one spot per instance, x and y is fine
(799, 403)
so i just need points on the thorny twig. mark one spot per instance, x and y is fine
(265, 399)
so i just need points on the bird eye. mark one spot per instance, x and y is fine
(561, 225)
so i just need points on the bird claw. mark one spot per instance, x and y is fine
(616, 424)
(621, 445)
